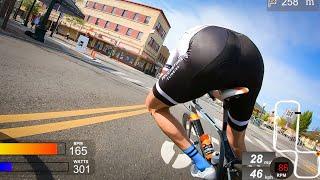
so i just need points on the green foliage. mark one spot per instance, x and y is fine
(79, 21)
(74, 20)
(305, 121)
(265, 117)
(281, 122)
(255, 113)
(27, 5)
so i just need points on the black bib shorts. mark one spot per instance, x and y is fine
(213, 58)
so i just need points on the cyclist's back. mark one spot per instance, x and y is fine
(213, 58)
(208, 58)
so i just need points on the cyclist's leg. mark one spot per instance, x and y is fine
(167, 122)
(249, 73)
(238, 119)
(180, 85)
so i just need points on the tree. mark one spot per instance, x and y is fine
(305, 121)
(27, 5)
(265, 117)
(79, 21)
(72, 20)
(281, 122)
(255, 113)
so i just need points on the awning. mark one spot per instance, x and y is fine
(67, 7)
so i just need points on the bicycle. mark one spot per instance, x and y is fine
(228, 167)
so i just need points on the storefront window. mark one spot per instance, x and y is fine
(117, 54)
(140, 64)
(99, 45)
(107, 50)
(126, 58)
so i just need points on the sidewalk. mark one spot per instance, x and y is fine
(16, 30)
(58, 43)
(72, 44)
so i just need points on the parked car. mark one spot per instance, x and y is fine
(256, 121)
(268, 125)
(281, 131)
(290, 134)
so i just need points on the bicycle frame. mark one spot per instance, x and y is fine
(225, 149)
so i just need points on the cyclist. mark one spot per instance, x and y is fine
(208, 58)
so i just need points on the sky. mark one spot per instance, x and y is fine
(288, 41)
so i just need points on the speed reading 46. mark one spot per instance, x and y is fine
(257, 173)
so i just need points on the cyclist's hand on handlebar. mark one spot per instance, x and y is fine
(216, 94)
(164, 71)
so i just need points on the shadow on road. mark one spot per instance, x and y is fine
(45, 172)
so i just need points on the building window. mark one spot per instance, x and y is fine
(158, 26)
(154, 45)
(129, 32)
(113, 10)
(124, 13)
(151, 41)
(87, 19)
(117, 28)
(97, 21)
(91, 20)
(136, 16)
(105, 8)
(147, 20)
(139, 36)
(160, 30)
(107, 24)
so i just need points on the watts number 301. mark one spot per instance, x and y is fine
(81, 169)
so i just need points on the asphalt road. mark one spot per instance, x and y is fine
(123, 140)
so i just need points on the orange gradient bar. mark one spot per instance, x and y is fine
(28, 149)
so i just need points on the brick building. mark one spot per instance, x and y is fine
(128, 31)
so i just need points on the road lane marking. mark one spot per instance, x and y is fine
(215, 141)
(248, 139)
(118, 73)
(181, 161)
(269, 149)
(132, 80)
(263, 145)
(58, 126)
(168, 153)
(52, 115)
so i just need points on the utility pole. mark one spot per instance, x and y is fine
(28, 15)
(56, 25)
(41, 30)
(16, 13)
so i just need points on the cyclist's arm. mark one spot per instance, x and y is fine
(170, 62)
(216, 94)
(182, 47)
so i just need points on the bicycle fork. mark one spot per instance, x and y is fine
(204, 139)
